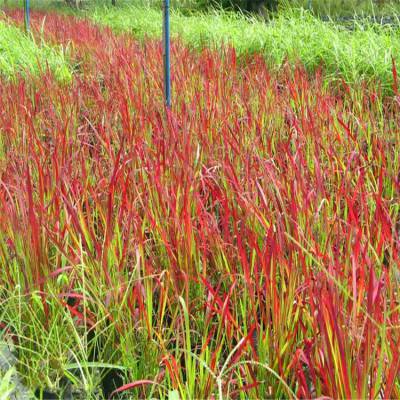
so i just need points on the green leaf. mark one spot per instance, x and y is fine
(93, 365)
(173, 395)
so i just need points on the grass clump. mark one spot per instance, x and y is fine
(21, 55)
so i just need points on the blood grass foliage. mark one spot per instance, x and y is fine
(20, 55)
(244, 244)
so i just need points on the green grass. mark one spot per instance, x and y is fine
(348, 7)
(6, 385)
(21, 55)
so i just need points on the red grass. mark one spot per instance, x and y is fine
(268, 202)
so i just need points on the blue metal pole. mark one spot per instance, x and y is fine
(27, 15)
(167, 61)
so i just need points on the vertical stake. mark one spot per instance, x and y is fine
(167, 62)
(27, 15)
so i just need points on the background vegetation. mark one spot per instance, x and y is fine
(262, 7)
(295, 36)
(19, 55)
(362, 53)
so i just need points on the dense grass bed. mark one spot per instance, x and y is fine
(244, 244)
(19, 55)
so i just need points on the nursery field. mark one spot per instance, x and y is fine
(243, 244)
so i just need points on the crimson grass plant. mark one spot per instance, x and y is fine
(244, 244)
